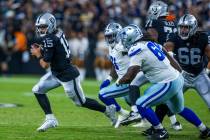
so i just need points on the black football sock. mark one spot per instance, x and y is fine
(134, 94)
(169, 113)
(44, 103)
(161, 111)
(94, 105)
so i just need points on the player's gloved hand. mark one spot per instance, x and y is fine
(105, 83)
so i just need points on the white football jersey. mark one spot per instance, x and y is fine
(120, 59)
(153, 62)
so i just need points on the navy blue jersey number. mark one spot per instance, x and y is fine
(113, 59)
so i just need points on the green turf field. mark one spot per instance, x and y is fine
(74, 123)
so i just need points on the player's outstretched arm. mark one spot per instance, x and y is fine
(113, 73)
(130, 75)
(173, 62)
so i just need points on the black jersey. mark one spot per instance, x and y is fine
(163, 27)
(55, 50)
(190, 53)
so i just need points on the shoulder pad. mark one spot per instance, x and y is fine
(202, 32)
(201, 35)
(59, 33)
(134, 50)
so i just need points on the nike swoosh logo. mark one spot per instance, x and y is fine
(161, 136)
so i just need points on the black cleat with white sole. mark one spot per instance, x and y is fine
(148, 132)
(133, 117)
(159, 134)
(205, 134)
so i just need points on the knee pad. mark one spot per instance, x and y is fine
(177, 110)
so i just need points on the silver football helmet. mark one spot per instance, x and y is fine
(130, 35)
(157, 9)
(187, 26)
(45, 24)
(110, 33)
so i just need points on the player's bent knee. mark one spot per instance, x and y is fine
(77, 100)
(37, 90)
(177, 110)
(101, 96)
(139, 102)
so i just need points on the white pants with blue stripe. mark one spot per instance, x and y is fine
(169, 93)
(114, 91)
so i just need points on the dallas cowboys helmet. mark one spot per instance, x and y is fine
(45, 24)
(187, 21)
(157, 9)
(130, 35)
(110, 33)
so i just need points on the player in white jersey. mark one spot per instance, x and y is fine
(163, 72)
(120, 60)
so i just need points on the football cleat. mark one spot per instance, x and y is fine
(177, 126)
(133, 117)
(111, 114)
(149, 131)
(48, 123)
(120, 118)
(159, 134)
(205, 134)
(143, 124)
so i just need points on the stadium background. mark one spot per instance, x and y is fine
(81, 20)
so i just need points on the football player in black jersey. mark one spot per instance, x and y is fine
(52, 51)
(158, 26)
(190, 47)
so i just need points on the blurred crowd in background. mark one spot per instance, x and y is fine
(83, 22)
